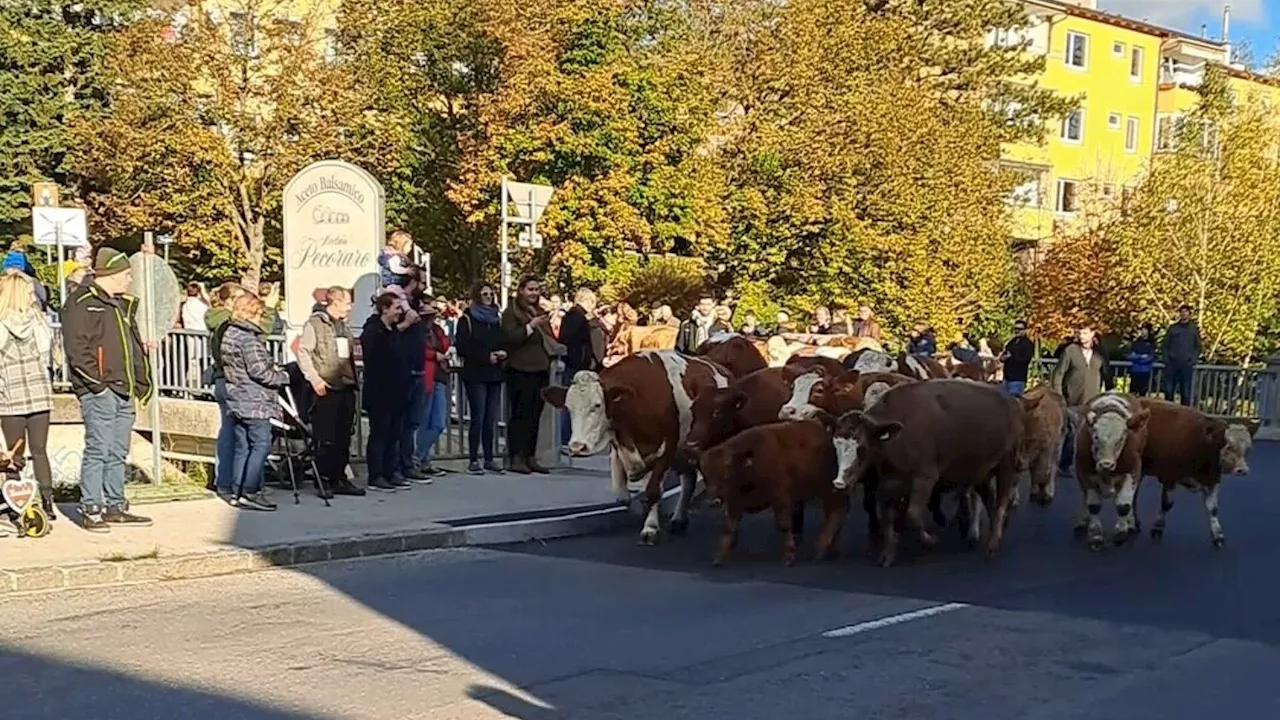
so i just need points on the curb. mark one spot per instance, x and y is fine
(447, 534)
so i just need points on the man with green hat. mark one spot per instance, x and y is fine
(109, 369)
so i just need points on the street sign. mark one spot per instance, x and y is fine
(67, 227)
(44, 194)
(528, 201)
(156, 287)
(522, 206)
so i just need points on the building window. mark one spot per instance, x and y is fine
(1066, 196)
(1135, 65)
(1131, 135)
(1117, 49)
(1077, 50)
(1113, 121)
(1073, 127)
(1007, 37)
(1108, 191)
(1027, 192)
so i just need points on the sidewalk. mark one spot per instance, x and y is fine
(208, 537)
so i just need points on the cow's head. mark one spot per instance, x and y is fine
(1237, 441)
(1109, 428)
(873, 393)
(719, 466)
(714, 417)
(589, 408)
(858, 439)
(808, 395)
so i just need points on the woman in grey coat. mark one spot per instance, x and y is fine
(26, 394)
(253, 383)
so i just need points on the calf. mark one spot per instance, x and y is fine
(925, 437)
(1109, 463)
(1186, 447)
(733, 352)
(1045, 427)
(778, 466)
(641, 409)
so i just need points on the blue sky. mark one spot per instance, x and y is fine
(1257, 20)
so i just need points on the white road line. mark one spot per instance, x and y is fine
(892, 620)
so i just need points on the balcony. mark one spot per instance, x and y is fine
(1181, 74)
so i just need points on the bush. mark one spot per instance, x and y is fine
(665, 280)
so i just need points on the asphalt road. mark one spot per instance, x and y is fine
(598, 628)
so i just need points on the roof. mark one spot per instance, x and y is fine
(1128, 23)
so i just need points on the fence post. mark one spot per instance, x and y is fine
(1269, 401)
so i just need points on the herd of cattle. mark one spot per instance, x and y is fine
(900, 428)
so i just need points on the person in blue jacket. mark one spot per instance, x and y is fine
(1142, 359)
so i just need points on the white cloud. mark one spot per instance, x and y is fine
(1187, 15)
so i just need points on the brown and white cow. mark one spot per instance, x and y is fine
(924, 437)
(1045, 427)
(733, 352)
(1187, 448)
(746, 402)
(819, 391)
(641, 409)
(779, 466)
(1108, 463)
(920, 368)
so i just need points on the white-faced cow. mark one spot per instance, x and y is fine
(1108, 458)
(641, 409)
(1187, 448)
(924, 437)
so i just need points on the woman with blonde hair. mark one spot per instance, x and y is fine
(253, 380)
(26, 394)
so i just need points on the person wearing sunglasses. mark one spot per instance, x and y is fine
(479, 342)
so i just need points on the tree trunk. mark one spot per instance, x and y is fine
(256, 255)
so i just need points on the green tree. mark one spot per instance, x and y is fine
(214, 107)
(51, 54)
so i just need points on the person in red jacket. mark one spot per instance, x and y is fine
(435, 378)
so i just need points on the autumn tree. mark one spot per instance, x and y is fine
(214, 107)
(855, 178)
(51, 54)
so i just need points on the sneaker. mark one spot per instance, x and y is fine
(93, 522)
(493, 467)
(430, 470)
(344, 487)
(519, 466)
(473, 468)
(122, 516)
(381, 485)
(413, 475)
(255, 501)
(400, 483)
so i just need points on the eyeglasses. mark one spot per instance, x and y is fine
(486, 294)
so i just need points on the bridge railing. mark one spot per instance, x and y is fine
(184, 355)
(1228, 391)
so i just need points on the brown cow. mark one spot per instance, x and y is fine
(641, 409)
(1186, 447)
(1109, 463)
(746, 402)
(778, 466)
(1045, 426)
(733, 352)
(817, 390)
(929, 436)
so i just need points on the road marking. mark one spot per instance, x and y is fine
(892, 620)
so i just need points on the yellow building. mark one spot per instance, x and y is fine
(1134, 81)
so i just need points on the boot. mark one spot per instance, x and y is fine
(519, 465)
(536, 466)
(46, 504)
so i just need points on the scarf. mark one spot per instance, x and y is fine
(487, 314)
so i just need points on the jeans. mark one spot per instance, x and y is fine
(1177, 377)
(432, 422)
(253, 444)
(409, 423)
(226, 444)
(331, 419)
(1015, 387)
(382, 451)
(524, 398)
(484, 399)
(108, 425)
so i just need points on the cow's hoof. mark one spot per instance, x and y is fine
(885, 559)
(789, 561)
(649, 537)
(679, 526)
(1096, 543)
(928, 539)
(717, 561)
(992, 553)
(828, 555)
(1157, 533)
(1219, 543)
(1122, 537)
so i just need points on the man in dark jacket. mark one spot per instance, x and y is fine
(109, 369)
(1017, 356)
(1181, 352)
(1078, 377)
(386, 376)
(700, 327)
(326, 361)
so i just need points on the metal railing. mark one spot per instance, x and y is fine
(184, 355)
(1227, 391)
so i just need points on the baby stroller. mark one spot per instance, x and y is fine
(294, 445)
